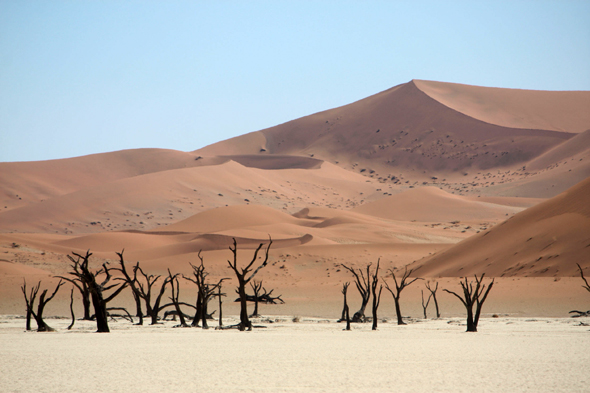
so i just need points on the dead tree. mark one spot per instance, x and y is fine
(433, 294)
(586, 286)
(425, 305)
(261, 295)
(205, 292)
(81, 272)
(132, 283)
(41, 325)
(174, 298)
(364, 287)
(72, 309)
(399, 287)
(376, 296)
(256, 287)
(30, 301)
(219, 296)
(145, 292)
(244, 279)
(345, 310)
(84, 292)
(473, 297)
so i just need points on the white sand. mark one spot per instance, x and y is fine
(506, 355)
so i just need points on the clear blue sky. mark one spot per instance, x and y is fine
(82, 77)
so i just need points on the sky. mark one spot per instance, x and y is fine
(85, 77)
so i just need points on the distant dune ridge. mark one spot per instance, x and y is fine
(454, 179)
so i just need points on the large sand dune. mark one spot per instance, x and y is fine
(545, 240)
(401, 175)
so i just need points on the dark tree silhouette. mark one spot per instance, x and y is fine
(84, 292)
(72, 309)
(81, 272)
(433, 294)
(205, 292)
(364, 287)
(345, 309)
(174, 298)
(30, 301)
(376, 296)
(219, 296)
(473, 297)
(399, 287)
(41, 325)
(586, 286)
(425, 305)
(132, 283)
(244, 275)
(256, 287)
(261, 295)
(145, 292)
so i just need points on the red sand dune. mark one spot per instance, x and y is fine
(400, 175)
(545, 240)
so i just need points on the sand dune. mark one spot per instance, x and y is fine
(544, 110)
(545, 240)
(402, 128)
(433, 204)
(418, 169)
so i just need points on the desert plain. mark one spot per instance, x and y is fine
(445, 180)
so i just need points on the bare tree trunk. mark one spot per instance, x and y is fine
(72, 309)
(473, 297)
(30, 301)
(425, 305)
(243, 280)
(433, 293)
(364, 287)
(376, 296)
(399, 287)
(41, 325)
(174, 298)
(219, 295)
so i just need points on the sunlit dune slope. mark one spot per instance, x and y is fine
(567, 111)
(432, 204)
(545, 240)
(26, 182)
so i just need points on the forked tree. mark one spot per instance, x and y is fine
(132, 283)
(244, 276)
(363, 284)
(145, 292)
(433, 294)
(175, 298)
(345, 311)
(30, 301)
(43, 300)
(205, 292)
(261, 295)
(82, 272)
(586, 286)
(376, 295)
(425, 304)
(84, 292)
(473, 297)
(399, 287)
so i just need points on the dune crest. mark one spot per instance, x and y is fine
(566, 111)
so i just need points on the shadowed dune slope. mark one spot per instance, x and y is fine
(545, 240)
(400, 127)
(433, 204)
(567, 111)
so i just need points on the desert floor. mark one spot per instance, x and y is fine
(307, 355)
